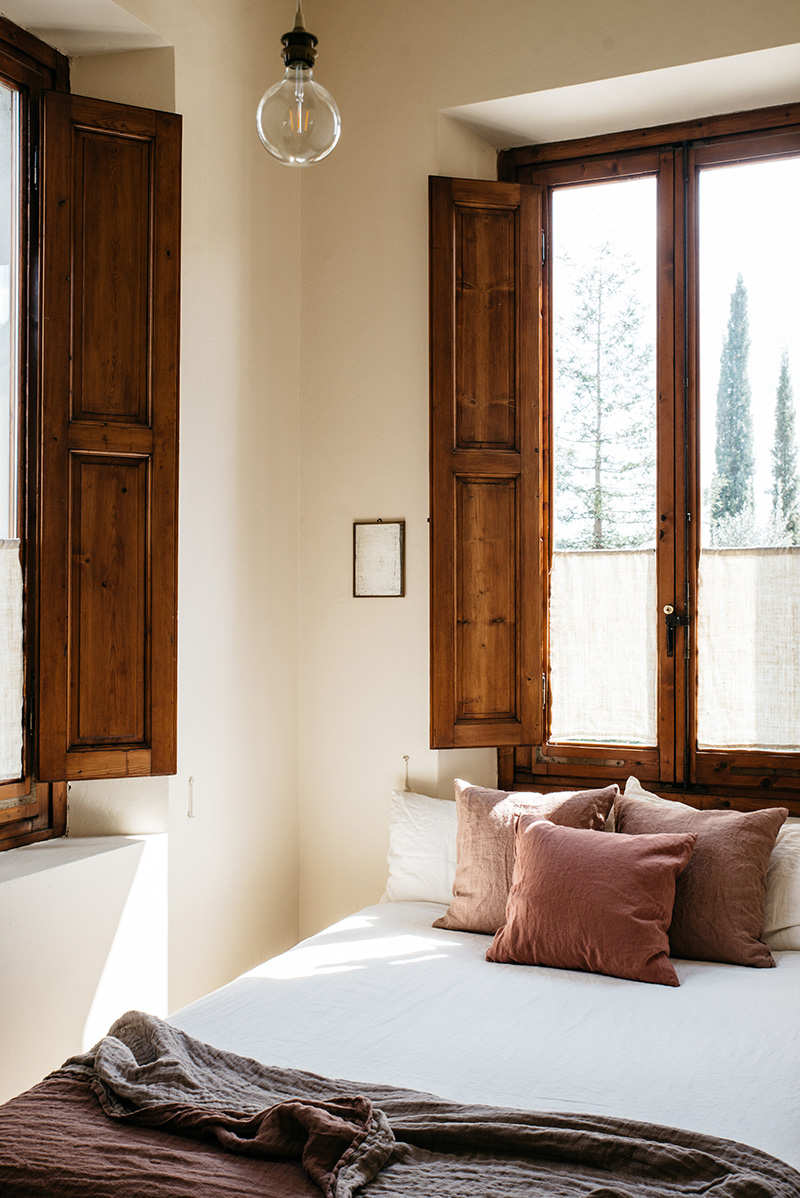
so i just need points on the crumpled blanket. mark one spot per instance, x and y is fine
(151, 1074)
(382, 1142)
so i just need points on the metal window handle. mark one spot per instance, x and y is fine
(672, 619)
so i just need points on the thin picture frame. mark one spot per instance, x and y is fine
(379, 559)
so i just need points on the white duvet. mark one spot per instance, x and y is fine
(384, 997)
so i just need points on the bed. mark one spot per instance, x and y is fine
(385, 998)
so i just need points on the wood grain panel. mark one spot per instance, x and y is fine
(486, 572)
(486, 354)
(485, 463)
(108, 677)
(111, 276)
(28, 812)
(513, 163)
(41, 816)
(109, 414)
(109, 763)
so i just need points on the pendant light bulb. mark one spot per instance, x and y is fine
(298, 121)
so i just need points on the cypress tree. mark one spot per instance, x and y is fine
(784, 456)
(605, 435)
(732, 485)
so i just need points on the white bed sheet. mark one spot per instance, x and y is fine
(384, 997)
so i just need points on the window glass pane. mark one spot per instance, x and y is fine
(603, 628)
(9, 332)
(11, 648)
(748, 604)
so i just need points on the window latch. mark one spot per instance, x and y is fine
(673, 619)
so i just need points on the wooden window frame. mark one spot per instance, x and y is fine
(606, 762)
(30, 811)
(99, 392)
(673, 152)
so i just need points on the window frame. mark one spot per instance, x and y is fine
(30, 811)
(588, 761)
(704, 777)
(100, 445)
(731, 768)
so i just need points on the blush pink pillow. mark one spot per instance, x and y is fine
(601, 903)
(485, 845)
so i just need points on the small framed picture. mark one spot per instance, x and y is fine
(379, 565)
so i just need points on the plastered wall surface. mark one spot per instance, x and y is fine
(83, 937)
(233, 867)
(74, 944)
(303, 407)
(393, 67)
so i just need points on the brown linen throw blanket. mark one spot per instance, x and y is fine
(381, 1142)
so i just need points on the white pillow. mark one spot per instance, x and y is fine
(422, 849)
(782, 913)
(782, 909)
(634, 787)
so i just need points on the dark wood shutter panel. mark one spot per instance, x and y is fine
(485, 288)
(108, 466)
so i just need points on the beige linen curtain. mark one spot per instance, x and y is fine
(748, 649)
(603, 646)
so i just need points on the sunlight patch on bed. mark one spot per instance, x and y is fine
(316, 958)
(415, 960)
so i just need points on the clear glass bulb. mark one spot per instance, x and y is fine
(297, 120)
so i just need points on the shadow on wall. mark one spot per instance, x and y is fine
(82, 938)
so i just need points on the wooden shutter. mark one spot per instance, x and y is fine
(485, 287)
(107, 516)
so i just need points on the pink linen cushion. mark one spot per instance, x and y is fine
(485, 845)
(596, 903)
(720, 897)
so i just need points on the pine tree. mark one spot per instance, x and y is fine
(604, 435)
(784, 456)
(732, 484)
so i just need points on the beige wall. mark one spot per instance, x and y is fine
(363, 404)
(304, 407)
(142, 77)
(228, 893)
(83, 938)
(233, 868)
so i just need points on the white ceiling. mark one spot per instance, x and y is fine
(79, 27)
(756, 80)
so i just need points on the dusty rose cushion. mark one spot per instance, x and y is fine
(485, 845)
(719, 901)
(597, 903)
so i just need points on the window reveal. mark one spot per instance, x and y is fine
(624, 544)
(89, 277)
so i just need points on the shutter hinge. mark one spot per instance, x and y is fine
(544, 691)
(544, 248)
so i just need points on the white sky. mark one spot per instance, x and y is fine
(749, 224)
(8, 109)
(624, 215)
